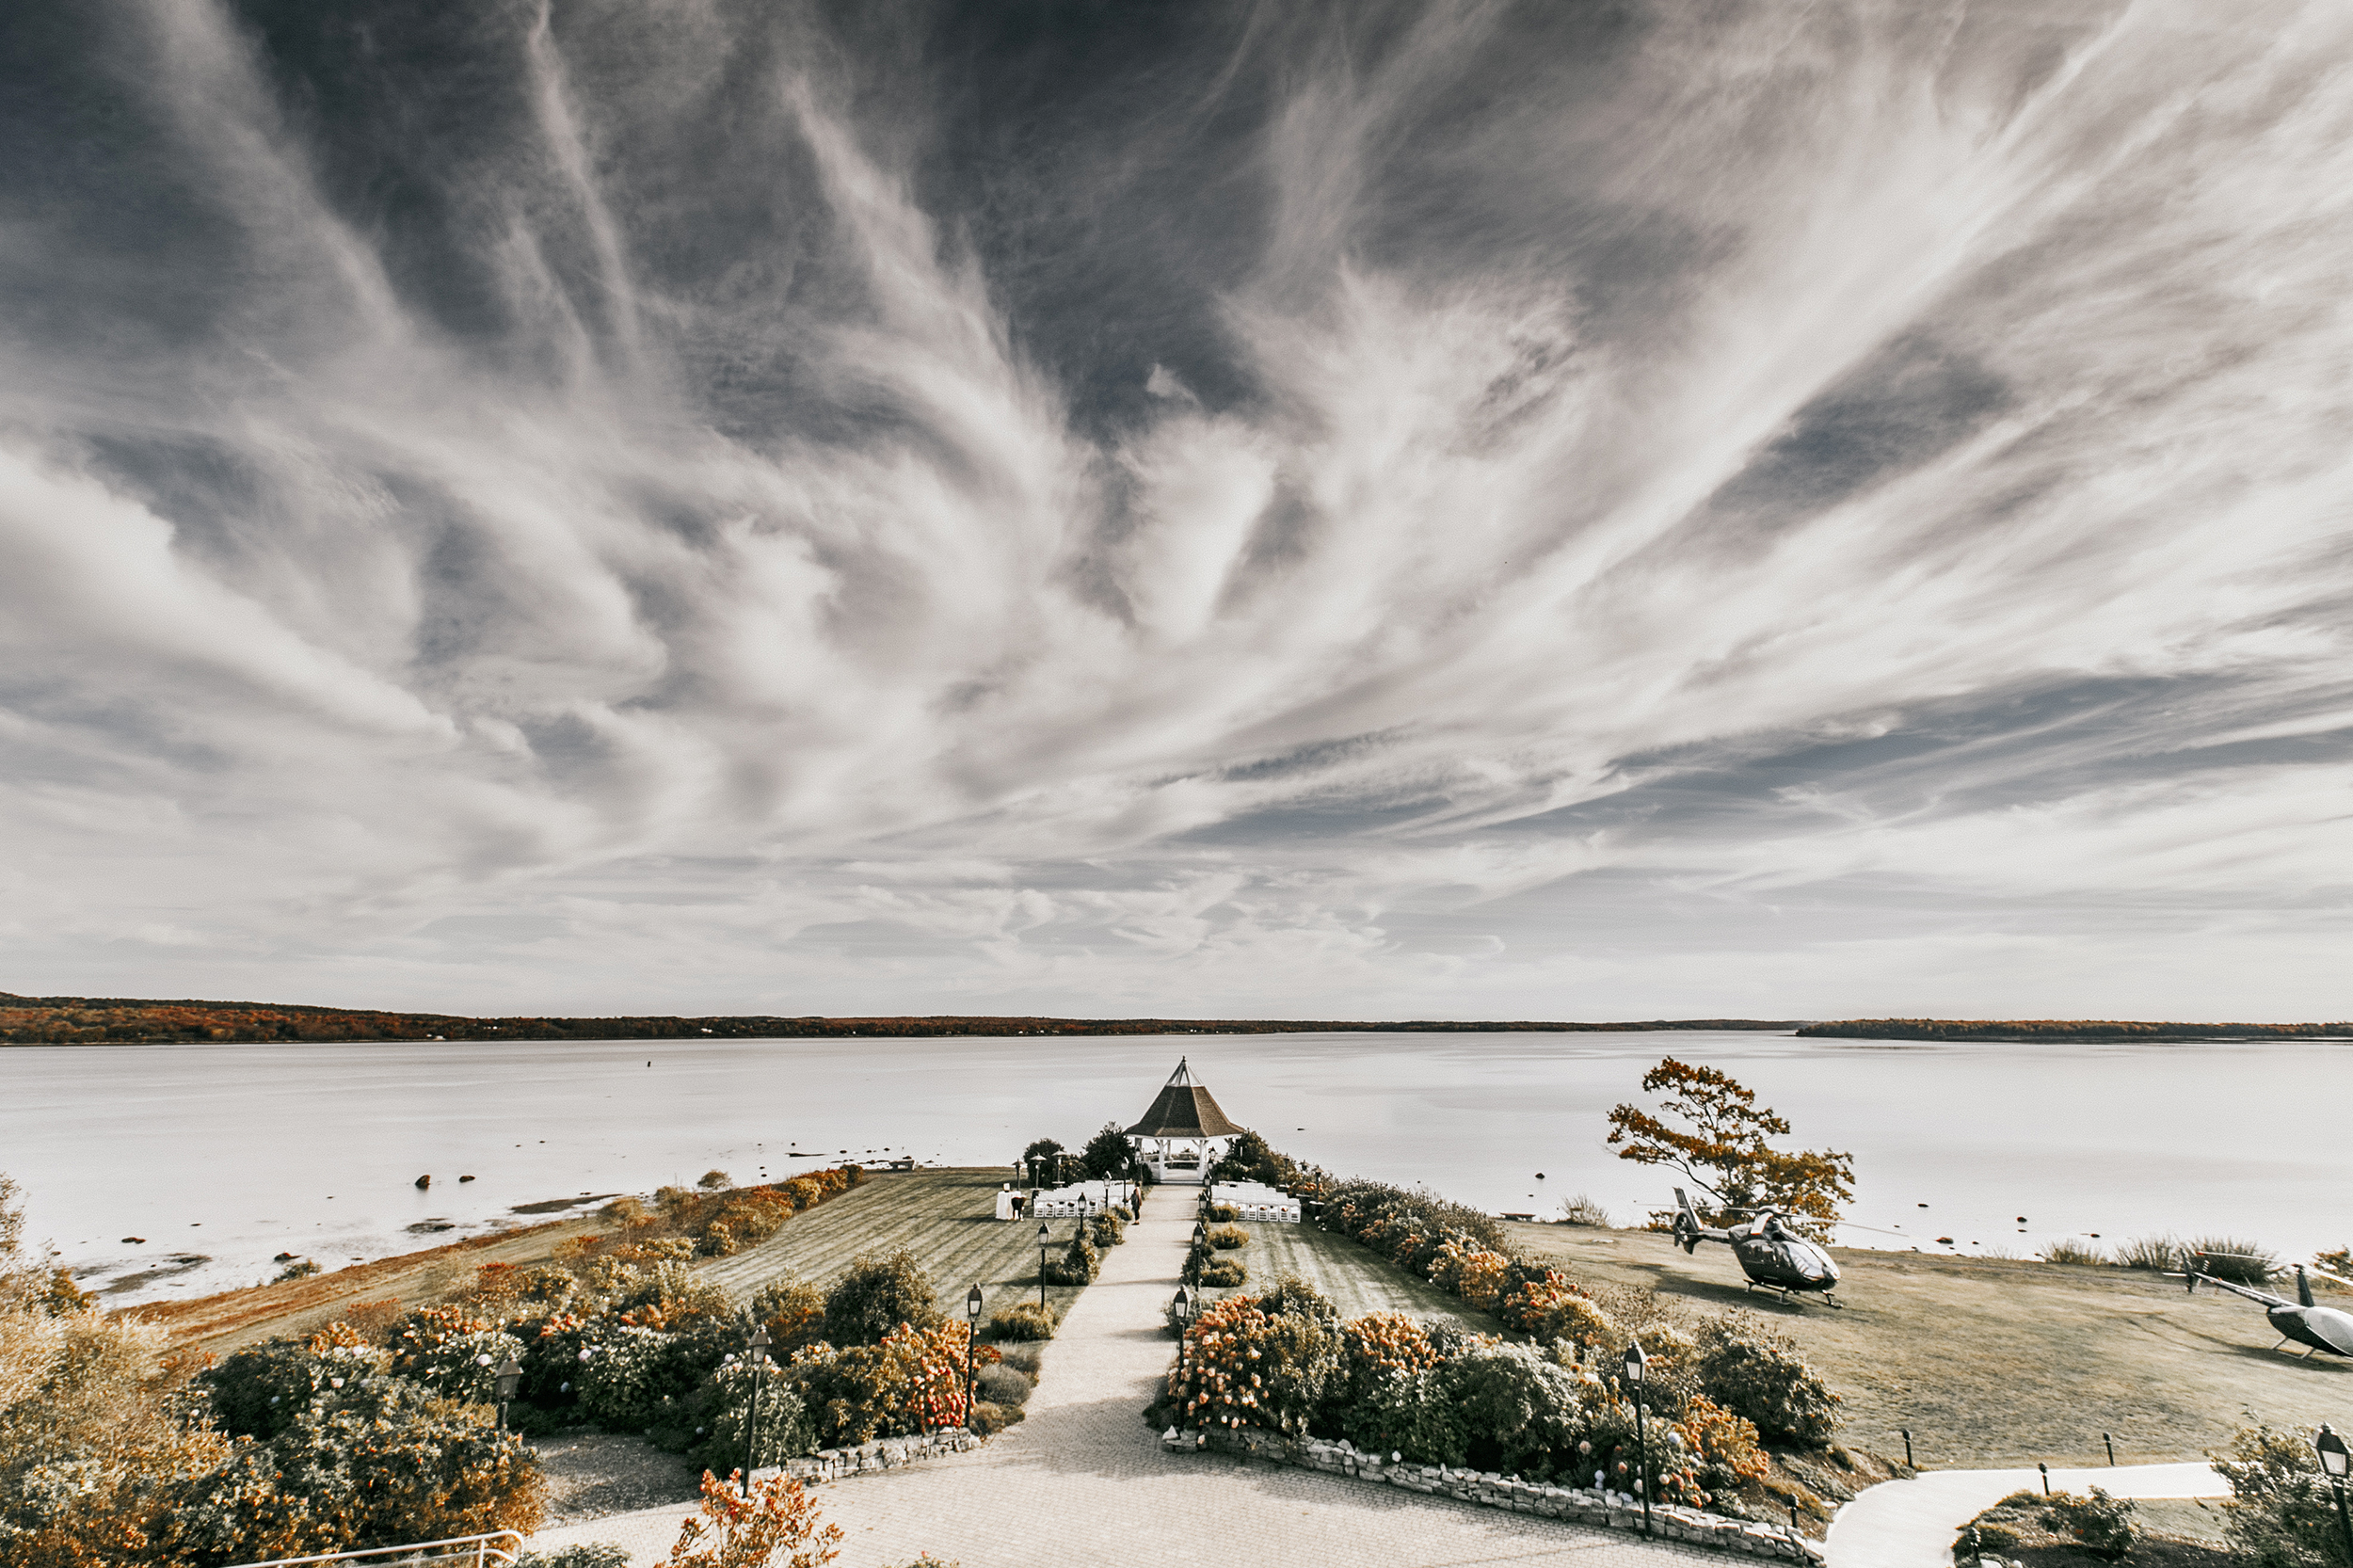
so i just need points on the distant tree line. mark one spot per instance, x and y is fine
(2060, 1028)
(103, 1020)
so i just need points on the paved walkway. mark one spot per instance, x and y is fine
(1910, 1524)
(1082, 1482)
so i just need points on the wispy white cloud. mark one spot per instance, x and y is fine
(1861, 460)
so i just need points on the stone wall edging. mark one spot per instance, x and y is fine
(1584, 1506)
(884, 1453)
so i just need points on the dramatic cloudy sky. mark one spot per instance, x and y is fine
(1568, 510)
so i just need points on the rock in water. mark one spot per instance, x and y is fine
(424, 1182)
(135, 1240)
(283, 1257)
(464, 1178)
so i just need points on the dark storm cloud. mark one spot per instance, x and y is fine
(1434, 508)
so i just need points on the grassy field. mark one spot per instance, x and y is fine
(1351, 1278)
(1999, 1363)
(946, 1218)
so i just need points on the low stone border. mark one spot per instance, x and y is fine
(1608, 1510)
(884, 1453)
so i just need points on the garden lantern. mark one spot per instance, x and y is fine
(1042, 1234)
(2334, 1462)
(1634, 1360)
(510, 1375)
(973, 1301)
(1200, 1232)
(757, 1357)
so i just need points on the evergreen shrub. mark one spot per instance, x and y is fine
(876, 1295)
(1760, 1376)
(1023, 1320)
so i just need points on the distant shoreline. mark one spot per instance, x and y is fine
(2085, 1031)
(126, 1021)
(120, 1020)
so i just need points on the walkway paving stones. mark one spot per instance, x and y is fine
(1911, 1523)
(1082, 1482)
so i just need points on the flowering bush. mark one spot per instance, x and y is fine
(464, 1367)
(1108, 1229)
(1721, 1446)
(625, 1379)
(784, 1430)
(794, 1313)
(419, 1337)
(258, 1391)
(1553, 1309)
(1226, 1238)
(376, 1464)
(913, 1379)
(1243, 1365)
(1474, 1272)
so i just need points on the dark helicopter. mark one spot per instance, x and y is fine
(2323, 1328)
(1774, 1257)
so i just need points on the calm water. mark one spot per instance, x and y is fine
(232, 1153)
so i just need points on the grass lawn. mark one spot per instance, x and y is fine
(2000, 1362)
(946, 1218)
(1351, 1278)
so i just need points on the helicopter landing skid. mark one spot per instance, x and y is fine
(1790, 1298)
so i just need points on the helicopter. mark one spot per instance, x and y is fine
(1774, 1257)
(2300, 1321)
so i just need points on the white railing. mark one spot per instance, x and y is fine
(492, 1549)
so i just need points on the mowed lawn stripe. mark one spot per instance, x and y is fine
(945, 1217)
(1350, 1278)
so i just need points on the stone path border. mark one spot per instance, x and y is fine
(1082, 1482)
(1911, 1523)
(1604, 1510)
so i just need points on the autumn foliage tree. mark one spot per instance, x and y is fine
(1710, 1129)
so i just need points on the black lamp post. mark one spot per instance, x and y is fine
(758, 1359)
(972, 1302)
(1635, 1361)
(2333, 1464)
(1182, 1307)
(1041, 1263)
(510, 1375)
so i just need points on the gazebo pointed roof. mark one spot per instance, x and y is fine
(1183, 1110)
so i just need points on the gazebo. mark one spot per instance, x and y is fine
(1183, 1132)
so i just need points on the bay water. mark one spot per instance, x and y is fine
(221, 1155)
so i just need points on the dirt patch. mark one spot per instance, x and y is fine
(596, 1475)
(234, 1318)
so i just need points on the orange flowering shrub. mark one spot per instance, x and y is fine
(913, 1379)
(778, 1516)
(1386, 1342)
(1475, 1273)
(1552, 1309)
(1721, 1448)
(337, 1335)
